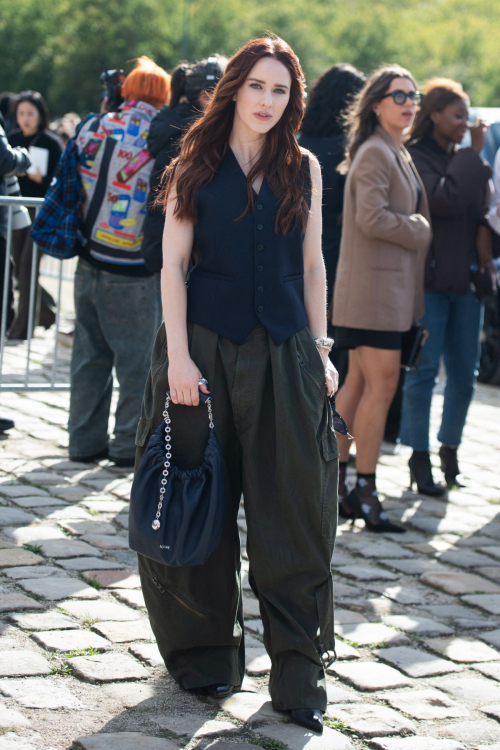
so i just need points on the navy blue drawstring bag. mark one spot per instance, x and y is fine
(176, 516)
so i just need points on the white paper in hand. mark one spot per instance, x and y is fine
(39, 160)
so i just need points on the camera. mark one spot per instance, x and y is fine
(112, 81)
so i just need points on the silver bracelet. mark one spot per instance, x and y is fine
(324, 343)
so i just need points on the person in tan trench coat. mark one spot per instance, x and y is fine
(379, 289)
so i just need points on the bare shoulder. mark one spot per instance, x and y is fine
(314, 167)
(308, 155)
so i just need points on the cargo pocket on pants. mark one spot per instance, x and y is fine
(142, 431)
(324, 602)
(141, 435)
(329, 485)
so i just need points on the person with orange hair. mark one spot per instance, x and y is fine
(117, 300)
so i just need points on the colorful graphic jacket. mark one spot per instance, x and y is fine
(114, 167)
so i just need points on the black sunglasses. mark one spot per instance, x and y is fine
(401, 96)
(338, 422)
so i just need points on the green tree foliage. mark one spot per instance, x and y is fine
(60, 47)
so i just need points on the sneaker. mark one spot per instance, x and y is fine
(123, 463)
(89, 459)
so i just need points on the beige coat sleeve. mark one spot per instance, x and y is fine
(371, 181)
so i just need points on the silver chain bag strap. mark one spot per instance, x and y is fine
(168, 454)
(177, 515)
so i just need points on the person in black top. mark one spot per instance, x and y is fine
(245, 199)
(190, 94)
(323, 133)
(13, 161)
(456, 181)
(33, 119)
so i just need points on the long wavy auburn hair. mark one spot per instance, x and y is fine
(207, 140)
(361, 119)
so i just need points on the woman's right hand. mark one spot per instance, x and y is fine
(478, 136)
(183, 379)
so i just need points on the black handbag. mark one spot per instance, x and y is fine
(412, 346)
(177, 516)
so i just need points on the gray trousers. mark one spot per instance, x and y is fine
(279, 449)
(117, 318)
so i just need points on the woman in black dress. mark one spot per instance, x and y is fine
(246, 200)
(33, 119)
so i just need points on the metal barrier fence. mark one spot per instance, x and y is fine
(23, 381)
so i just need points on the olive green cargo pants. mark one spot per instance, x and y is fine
(279, 449)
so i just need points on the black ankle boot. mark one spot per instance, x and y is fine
(449, 466)
(421, 474)
(310, 718)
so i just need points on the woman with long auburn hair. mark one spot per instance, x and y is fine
(379, 285)
(250, 329)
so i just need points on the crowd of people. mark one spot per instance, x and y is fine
(408, 180)
(225, 180)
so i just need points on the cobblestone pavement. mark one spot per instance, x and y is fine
(417, 616)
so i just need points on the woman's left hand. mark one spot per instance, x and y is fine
(36, 177)
(331, 374)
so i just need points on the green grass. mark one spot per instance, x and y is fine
(35, 548)
(382, 644)
(268, 744)
(337, 724)
(88, 621)
(90, 651)
(494, 500)
(63, 670)
(92, 582)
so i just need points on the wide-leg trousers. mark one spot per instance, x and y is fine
(274, 425)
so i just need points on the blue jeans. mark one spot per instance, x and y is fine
(454, 323)
(117, 318)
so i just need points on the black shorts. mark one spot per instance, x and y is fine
(351, 338)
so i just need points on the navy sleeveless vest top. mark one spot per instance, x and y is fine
(245, 271)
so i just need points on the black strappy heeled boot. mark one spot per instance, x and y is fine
(367, 510)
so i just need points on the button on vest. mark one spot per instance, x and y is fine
(246, 272)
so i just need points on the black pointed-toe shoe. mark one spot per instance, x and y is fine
(214, 691)
(383, 525)
(310, 718)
